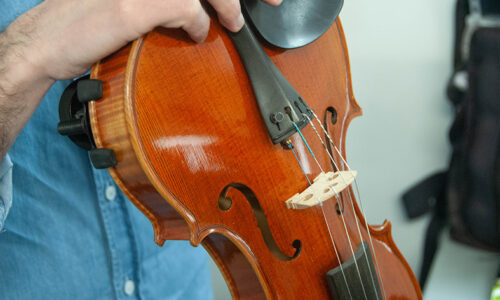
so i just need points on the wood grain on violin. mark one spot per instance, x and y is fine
(195, 157)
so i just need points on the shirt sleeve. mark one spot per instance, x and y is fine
(5, 189)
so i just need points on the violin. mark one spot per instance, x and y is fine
(238, 145)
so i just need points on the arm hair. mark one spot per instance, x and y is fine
(22, 84)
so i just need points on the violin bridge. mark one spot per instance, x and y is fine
(324, 187)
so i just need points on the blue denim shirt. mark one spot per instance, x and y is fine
(70, 233)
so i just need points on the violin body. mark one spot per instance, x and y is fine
(183, 123)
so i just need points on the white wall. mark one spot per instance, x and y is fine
(400, 54)
(401, 60)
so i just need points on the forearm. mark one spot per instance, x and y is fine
(22, 83)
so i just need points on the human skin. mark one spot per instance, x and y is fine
(61, 39)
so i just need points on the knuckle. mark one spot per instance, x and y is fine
(191, 9)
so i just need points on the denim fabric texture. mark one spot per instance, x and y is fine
(71, 233)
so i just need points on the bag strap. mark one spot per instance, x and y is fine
(421, 198)
(428, 195)
(436, 225)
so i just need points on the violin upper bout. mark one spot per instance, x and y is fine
(355, 110)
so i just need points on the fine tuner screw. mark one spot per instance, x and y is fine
(277, 117)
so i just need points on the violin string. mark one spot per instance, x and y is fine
(347, 78)
(290, 145)
(360, 201)
(309, 148)
(352, 205)
(342, 216)
(371, 241)
(359, 197)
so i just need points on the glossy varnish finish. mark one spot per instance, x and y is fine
(184, 124)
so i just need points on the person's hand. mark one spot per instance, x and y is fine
(63, 38)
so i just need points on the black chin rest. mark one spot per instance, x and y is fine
(294, 23)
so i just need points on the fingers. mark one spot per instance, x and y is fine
(143, 16)
(229, 12)
(188, 15)
(197, 23)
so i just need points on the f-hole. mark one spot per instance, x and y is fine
(330, 117)
(330, 113)
(338, 209)
(225, 204)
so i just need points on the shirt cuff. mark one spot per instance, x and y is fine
(5, 189)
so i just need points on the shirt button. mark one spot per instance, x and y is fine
(129, 287)
(110, 192)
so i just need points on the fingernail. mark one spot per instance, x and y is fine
(240, 22)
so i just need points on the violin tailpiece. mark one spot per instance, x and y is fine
(324, 187)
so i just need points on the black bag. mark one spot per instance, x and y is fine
(467, 195)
